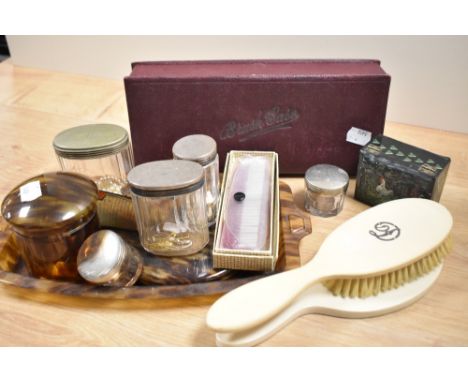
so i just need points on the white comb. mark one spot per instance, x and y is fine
(246, 218)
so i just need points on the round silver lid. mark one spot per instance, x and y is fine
(93, 140)
(327, 178)
(101, 256)
(166, 177)
(197, 147)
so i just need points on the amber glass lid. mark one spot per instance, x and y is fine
(50, 202)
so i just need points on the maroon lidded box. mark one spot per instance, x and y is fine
(301, 109)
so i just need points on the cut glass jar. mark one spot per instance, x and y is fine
(101, 151)
(169, 201)
(202, 149)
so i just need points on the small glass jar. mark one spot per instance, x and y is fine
(101, 151)
(325, 192)
(51, 215)
(202, 149)
(105, 258)
(169, 201)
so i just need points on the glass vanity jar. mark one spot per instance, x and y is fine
(202, 149)
(101, 151)
(325, 192)
(52, 214)
(169, 201)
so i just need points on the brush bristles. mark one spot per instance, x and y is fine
(371, 286)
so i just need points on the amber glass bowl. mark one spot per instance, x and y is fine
(51, 215)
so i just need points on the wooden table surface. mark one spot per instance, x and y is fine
(36, 104)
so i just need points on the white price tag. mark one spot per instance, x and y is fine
(358, 136)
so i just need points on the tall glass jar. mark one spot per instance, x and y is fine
(169, 201)
(52, 214)
(202, 149)
(101, 151)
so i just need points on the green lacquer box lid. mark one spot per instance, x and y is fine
(405, 155)
(389, 169)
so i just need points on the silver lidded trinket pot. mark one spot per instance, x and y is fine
(101, 151)
(169, 201)
(325, 192)
(202, 149)
(105, 258)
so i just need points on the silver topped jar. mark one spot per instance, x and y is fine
(325, 192)
(105, 258)
(169, 201)
(101, 151)
(202, 149)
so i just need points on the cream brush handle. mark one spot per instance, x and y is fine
(318, 299)
(258, 301)
(252, 337)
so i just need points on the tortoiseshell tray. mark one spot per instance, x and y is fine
(164, 277)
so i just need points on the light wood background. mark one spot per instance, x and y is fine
(36, 104)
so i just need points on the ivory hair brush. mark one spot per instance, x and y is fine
(319, 300)
(378, 250)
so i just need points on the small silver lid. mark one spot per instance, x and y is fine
(327, 178)
(197, 147)
(88, 141)
(166, 177)
(101, 256)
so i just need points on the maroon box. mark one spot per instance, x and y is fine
(302, 109)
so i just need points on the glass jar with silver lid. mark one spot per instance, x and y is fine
(326, 187)
(202, 149)
(103, 152)
(169, 201)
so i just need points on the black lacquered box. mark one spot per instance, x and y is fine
(389, 169)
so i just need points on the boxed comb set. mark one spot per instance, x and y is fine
(247, 232)
(300, 109)
(390, 169)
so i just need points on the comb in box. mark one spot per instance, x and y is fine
(247, 227)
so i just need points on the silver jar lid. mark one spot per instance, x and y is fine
(101, 256)
(166, 178)
(197, 147)
(88, 141)
(327, 178)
